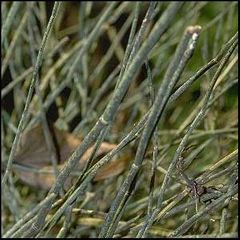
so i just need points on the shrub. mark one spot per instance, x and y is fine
(156, 82)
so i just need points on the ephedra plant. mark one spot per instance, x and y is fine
(119, 119)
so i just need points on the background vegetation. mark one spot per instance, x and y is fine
(111, 71)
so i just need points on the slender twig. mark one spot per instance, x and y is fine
(10, 18)
(173, 73)
(187, 224)
(157, 193)
(155, 143)
(51, 147)
(13, 43)
(183, 143)
(19, 79)
(110, 111)
(30, 92)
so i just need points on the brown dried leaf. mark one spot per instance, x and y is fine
(34, 153)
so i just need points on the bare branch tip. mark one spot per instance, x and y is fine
(194, 29)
